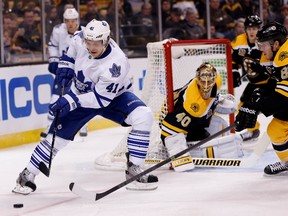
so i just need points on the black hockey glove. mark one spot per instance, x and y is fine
(255, 66)
(236, 78)
(247, 117)
(256, 95)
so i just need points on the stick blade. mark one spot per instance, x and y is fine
(79, 191)
(44, 169)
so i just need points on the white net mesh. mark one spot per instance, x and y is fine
(186, 58)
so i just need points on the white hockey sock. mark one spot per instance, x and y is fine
(138, 142)
(42, 152)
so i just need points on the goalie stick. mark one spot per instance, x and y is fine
(99, 195)
(231, 162)
(42, 167)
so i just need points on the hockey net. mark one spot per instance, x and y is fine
(171, 65)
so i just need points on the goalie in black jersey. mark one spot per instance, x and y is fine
(245, 51)
(193, 119)
(273, 42)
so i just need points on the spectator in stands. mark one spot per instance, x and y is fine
(201, 8)
(9, 48)
(62, 5)
(10, 22)
(184, 4)
(222, 21)
(18, 6)
(238, 29)
(29, 32)
(144, 25)
(193, 29)
(51, 20)
(283, 13)
(127, 8)
(174, 20)
(214, 33)
(233, 8)
(174, 25)
(166, 8)
(124, 27)
(285, 22)
(91, 12)
(267, 13)
(248, 7)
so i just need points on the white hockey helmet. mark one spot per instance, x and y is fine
(97, 30)
(71, 13)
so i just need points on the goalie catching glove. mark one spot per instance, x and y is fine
(65, 104)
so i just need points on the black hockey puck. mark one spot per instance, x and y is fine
(18, 205)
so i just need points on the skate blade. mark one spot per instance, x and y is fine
(137, 186)
(284, 173)
(22, 190)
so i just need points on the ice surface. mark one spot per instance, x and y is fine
(203, 192)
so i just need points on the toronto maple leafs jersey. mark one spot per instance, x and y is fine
(98, 80)
(59, 40)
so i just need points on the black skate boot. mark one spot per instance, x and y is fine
(276, 168)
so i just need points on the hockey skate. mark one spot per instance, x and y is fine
(250, 135)
(276, 168)
(146, 182)
(25, 183)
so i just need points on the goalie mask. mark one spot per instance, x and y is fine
(97, 36)
(206, 79)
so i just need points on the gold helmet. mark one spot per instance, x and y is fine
(206, 78)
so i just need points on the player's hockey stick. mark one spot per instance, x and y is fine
(96, 195)
(42, 167)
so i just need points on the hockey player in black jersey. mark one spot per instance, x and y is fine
(193, 118)
(274, 44)
(245, 50)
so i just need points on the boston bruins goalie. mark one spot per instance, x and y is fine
(195, 117)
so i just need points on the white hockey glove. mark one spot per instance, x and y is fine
(226, 104)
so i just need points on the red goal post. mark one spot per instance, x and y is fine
(171, 64)
(225, 49)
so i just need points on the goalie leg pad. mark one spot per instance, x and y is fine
(217, 123)
(229, 146)
(174, 144)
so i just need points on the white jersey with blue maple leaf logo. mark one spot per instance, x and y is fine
(98, 80)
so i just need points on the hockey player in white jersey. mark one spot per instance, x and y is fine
(60, 39)
(99, 71)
